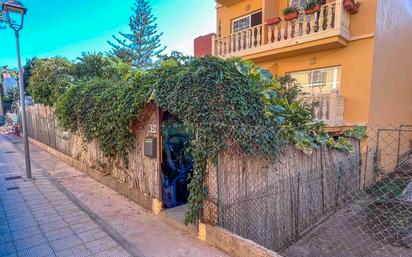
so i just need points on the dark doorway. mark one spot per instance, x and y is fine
(177, 161)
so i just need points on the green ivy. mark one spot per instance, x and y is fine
(357, 132)
(213, 96)
(224, 101)
(49, 79)
(104, 110)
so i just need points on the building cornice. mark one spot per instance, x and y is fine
(363, 36)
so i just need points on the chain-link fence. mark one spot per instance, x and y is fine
(324, 204)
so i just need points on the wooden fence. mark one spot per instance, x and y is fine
(270, 202)
(275, 202)
(142, 173)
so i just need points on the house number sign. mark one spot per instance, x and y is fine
(152, 129)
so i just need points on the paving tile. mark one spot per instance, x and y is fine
(25, 215)
(49, 219)
(6, 238)
(13, 210)
(95, 246)
(38, 220)
(61, 200)
(35, 199)
(3, 220)
(15, 201)
(64, 253)
(70, 213)
(43, 250)
(47, 227)
(7, 249)
(92, 235)
(27, 231)
(19, 234)
(116, 251)
(85, 226)
(76, 219)
(24, 222)
(58, 233)
(16, 227)
(40, 207)
(68, 208)
(29, 252)
(29, 242)
(108, 243)
(80, 251)
(65, 243)
(4, 229)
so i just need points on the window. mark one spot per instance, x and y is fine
(318, 78)
(246, 22)
(241, 24)
(317, 86)
(256, 19)
(319, 81)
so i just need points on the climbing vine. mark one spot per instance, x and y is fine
(49, 79)
(222, 104)
(223, 101)
(104, 109)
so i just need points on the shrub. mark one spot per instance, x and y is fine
(103, 110)
(91, 65)
(96, 65)
(49, 79)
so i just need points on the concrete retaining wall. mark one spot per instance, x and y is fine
(232, 244)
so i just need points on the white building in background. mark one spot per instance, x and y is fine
(8, 83)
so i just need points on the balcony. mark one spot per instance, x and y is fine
(328, 107)
(328, 28)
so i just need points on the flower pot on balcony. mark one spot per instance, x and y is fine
(291, 16)
(273, 21)
(313, 10)
(349, 5)
(354, 10)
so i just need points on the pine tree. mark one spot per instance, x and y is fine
(2, 19)
(143, 42)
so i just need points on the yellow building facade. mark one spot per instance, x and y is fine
(356, 66)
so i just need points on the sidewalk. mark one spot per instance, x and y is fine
(66, 213)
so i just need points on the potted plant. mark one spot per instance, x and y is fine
(312, 7)
(352, 6)
(348, 4)
(356, 9)
(273, 21)
(290, 13)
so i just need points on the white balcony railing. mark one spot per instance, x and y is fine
(332, 19)
(327, 107)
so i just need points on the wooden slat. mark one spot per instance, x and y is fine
(142, 172)
(274, 202)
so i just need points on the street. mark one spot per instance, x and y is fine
(62, 212)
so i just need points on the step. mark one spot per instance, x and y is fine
(175, 217)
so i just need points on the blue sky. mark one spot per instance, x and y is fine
(67, 28)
